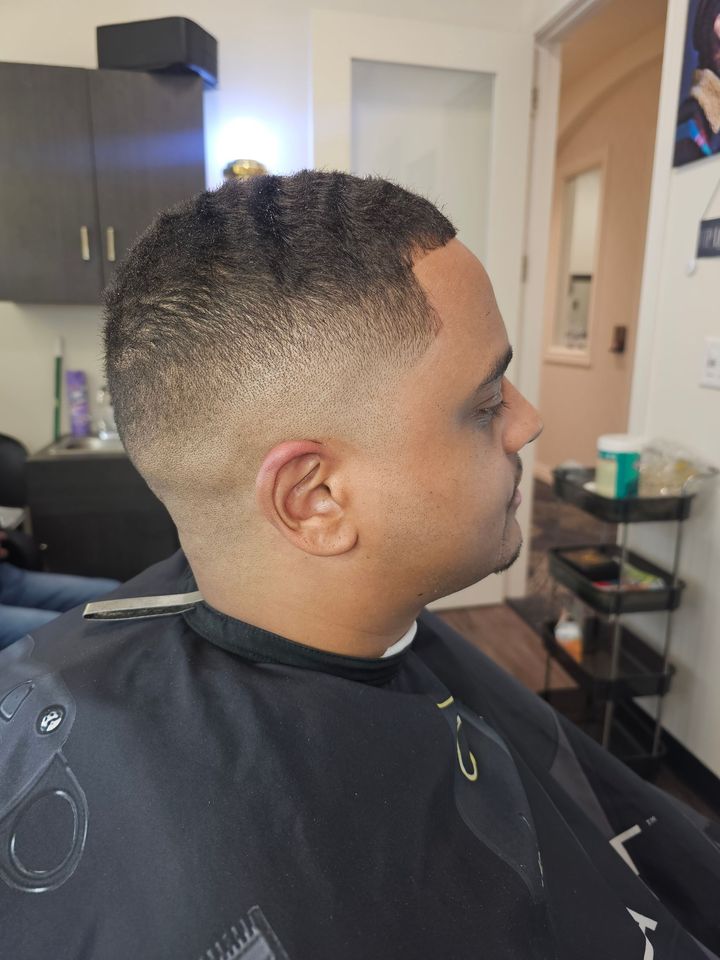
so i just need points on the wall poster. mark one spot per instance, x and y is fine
(698, 125)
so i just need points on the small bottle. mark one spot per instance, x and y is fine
(76, 383)
(569, 634)
(105, 422)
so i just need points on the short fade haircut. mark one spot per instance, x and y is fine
(237, 305)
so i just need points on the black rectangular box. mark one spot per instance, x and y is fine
(168, 44)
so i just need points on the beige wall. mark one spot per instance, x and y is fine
(609, 118)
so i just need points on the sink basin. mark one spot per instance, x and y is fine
(73, 446)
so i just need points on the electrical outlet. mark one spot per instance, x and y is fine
(711, 363)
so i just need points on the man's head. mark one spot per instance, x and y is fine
(294, 364)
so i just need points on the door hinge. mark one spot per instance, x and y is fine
(524, 269)
(534, 101)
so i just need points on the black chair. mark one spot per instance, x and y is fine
(21, 547)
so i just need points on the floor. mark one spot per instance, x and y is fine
(506, 631)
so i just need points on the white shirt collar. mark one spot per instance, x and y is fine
(403, 642)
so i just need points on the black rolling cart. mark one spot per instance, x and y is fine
(615, 665)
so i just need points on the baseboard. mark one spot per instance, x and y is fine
(684, 764)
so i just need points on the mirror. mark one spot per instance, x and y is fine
(578, 248)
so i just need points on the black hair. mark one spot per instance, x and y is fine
(250, 282)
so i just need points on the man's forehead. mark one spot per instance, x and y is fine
(454, 279)
(459, 289)
(472, 338)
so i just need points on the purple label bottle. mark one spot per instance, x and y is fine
(76, 383)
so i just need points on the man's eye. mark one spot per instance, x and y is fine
(490, 413)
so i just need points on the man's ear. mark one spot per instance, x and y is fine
(299, 491)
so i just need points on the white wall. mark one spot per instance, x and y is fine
(264, 74)
(676, 312)
(28, 337)
(430, 128)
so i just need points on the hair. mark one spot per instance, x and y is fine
(267, 309)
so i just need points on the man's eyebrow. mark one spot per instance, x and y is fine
(497, 371)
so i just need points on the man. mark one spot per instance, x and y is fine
(31, 598)
(698, 126)
(262, 747)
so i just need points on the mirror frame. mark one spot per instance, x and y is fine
(554, 353)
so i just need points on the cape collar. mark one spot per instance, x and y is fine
(261, 646)
(247, 640)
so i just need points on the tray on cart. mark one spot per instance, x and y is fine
(639, 671)
(576, 485)
(622, 599)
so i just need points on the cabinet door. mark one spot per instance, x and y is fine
(149, 151)
(49, 242)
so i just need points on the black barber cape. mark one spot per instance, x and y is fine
(190, 787)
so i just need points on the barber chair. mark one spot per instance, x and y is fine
(21, 547)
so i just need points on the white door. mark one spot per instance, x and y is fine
(443, 110)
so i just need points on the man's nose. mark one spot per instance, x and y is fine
(525, 423)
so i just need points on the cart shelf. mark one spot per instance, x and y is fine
(625, 599)
(616, 665)
(571, 485)
(640, 668)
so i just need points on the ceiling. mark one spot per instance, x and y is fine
(617, 23)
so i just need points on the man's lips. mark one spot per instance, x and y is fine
(517, 496)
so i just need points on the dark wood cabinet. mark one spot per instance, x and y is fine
(48, 211)
(148, 147)
(87, 159)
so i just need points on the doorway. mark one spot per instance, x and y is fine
(610, 66)
(608, 102)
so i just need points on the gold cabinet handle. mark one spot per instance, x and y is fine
(84, 243)
(110, 235)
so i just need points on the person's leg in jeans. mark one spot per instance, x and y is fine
(42, 595)
(49, 591)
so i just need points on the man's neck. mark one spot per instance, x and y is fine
(334, 624)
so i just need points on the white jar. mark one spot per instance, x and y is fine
(618, 465)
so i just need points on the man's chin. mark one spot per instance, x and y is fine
(506, 564)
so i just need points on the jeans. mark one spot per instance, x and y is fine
(29, 598)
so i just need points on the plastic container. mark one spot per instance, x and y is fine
(76, 383)
(569, 635)
(618, 465)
